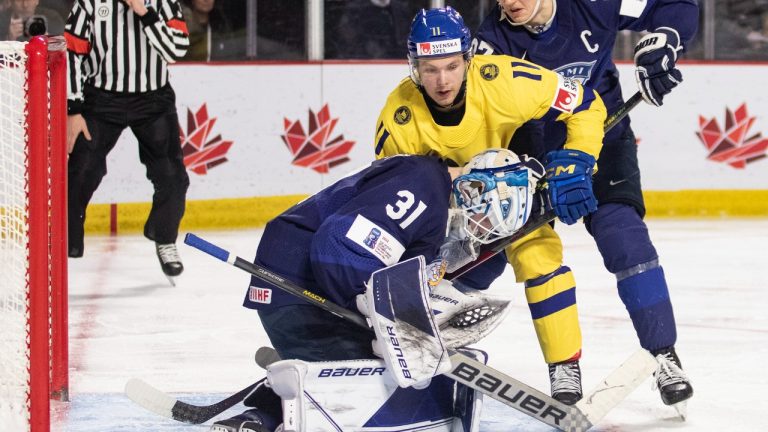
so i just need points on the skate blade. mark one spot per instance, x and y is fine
(682, 409)
(171, 279)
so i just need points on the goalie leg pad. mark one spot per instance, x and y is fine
(357, 395)
(552, 302)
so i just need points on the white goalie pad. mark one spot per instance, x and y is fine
(357, 395)
(407, 336)
(464, 317)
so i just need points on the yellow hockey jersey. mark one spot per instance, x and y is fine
(502, 93)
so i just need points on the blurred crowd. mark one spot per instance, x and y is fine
(360, 29)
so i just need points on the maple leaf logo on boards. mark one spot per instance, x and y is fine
(732, 146)
(201, 153)
(316, 149)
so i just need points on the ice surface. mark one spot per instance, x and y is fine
(197, 342)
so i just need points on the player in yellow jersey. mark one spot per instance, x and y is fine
(454, 106)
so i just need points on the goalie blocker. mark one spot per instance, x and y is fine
(417, 316)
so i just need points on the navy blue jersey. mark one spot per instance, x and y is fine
(330, 243)
(580, 42)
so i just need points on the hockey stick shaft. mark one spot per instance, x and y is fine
(546, 213)
(274, 279)
(465, 370)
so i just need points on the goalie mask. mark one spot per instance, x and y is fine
(437, 33)
(494, 194)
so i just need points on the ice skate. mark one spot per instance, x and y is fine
(170, 261)
(673, 384)
(565, 379)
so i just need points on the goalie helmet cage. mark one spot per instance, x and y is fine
(33, 224)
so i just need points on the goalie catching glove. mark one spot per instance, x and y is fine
(465, 316)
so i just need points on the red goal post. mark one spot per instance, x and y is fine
(33, 226)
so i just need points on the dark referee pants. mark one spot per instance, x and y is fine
(153, 120)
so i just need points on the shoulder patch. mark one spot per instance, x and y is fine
(566, 94)
(376, 240)
(402, 115)
(489, 71)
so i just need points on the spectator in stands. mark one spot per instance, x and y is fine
(368, 29)
(210, 33)
(759, 36)
(62, 7)
(741, 32)
(25, 18)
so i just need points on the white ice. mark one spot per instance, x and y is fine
(196, 341)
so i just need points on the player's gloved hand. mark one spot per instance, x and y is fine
(655, 57)
(569, 178)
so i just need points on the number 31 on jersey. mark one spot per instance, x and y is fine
(403, 208)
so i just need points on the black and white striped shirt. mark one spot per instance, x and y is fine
(111, 48)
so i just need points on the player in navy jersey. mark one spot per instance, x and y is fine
(575, 38)
(393, 211)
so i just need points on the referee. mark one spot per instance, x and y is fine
(118, 53)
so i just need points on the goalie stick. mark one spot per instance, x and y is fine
(167, 406)
(595, 405)
(465, 370)
(160, 403)
(544, 214)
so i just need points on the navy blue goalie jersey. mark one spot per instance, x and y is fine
(330, 243)
(579, 44)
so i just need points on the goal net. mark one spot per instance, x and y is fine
(33, 294)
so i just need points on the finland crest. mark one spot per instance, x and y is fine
(402, 115)
(580, 71)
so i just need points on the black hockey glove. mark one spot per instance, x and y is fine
(655, 71)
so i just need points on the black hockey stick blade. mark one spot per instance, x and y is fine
(545, 214)
(167, 406)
